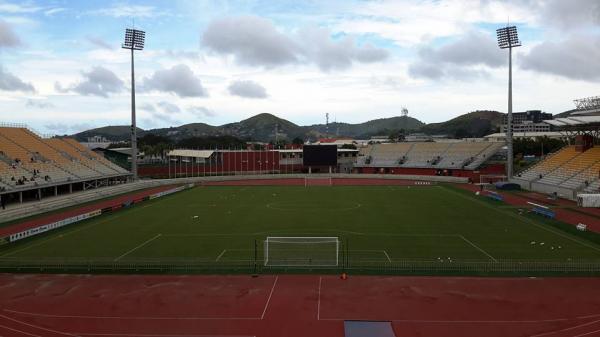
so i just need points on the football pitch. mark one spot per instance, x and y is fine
(223, 225)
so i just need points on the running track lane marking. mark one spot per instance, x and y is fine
(37, 326)
(319, 300)
(220, 255)
(138, 247)
(567, 329)
(19, 331)
(155, 335)
(478, 248)
(269, 299)
(587, 333)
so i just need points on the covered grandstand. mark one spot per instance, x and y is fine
(575, 168)
(32, 166)
(449, 158)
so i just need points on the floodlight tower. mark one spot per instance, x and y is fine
(509, 39)
(134, 40)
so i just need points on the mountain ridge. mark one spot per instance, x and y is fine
(262, 127)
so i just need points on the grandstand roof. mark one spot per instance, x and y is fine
(574, 120)
(191, 153)
(502, 135)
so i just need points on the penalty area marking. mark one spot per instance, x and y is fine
(220, 255)
(373, 250)
(478, 248)
(138, 247)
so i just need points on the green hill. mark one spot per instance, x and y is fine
(474, 124)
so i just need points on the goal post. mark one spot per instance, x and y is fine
(317, 181)
(487, 179)
(301, 251)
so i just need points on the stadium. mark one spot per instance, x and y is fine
(397, 234)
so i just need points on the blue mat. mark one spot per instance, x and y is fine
(368, 329)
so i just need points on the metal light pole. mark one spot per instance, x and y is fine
(508, 38)
(134, 40)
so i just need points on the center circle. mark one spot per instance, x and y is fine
(314, 206)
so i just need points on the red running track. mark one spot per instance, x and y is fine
(295, 306)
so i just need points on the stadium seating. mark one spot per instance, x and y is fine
(445, 155)
(568, 168)
(425, 154)
(573, 168)
(389, 154)
(462, 153)
(550, 164)
(29, 160)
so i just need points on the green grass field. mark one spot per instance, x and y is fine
(378, 224)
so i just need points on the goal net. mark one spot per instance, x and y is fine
(317, 181)
(491, 178)
(301, 251)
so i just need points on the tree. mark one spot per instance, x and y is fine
(297, 141)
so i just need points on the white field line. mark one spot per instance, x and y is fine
(138, 247)
(37, 326)
(56, 236)
(388, 257)
(567, 329)
(19, 331)
(525, 220)
(478, 248)
(269, 299)
(220, 255)
(60, 236)
(319, 299)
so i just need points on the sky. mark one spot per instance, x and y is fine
(62, 68)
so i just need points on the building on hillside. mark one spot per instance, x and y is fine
(528, 121)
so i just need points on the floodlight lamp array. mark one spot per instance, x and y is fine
(508, 37)
(134, 39)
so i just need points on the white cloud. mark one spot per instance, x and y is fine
(461, 59)
(179, 80)
(256, 41)
(39, 104)
(200, 111)
(575, 58)
(98, 42)
(10, 82)
(18, 8)
(247, 89)
(251, 40)
(97, 82)
(8, 38)
(129, 11)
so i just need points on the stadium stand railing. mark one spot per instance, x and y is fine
(347, 265)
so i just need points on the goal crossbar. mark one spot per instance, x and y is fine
(284, 251)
